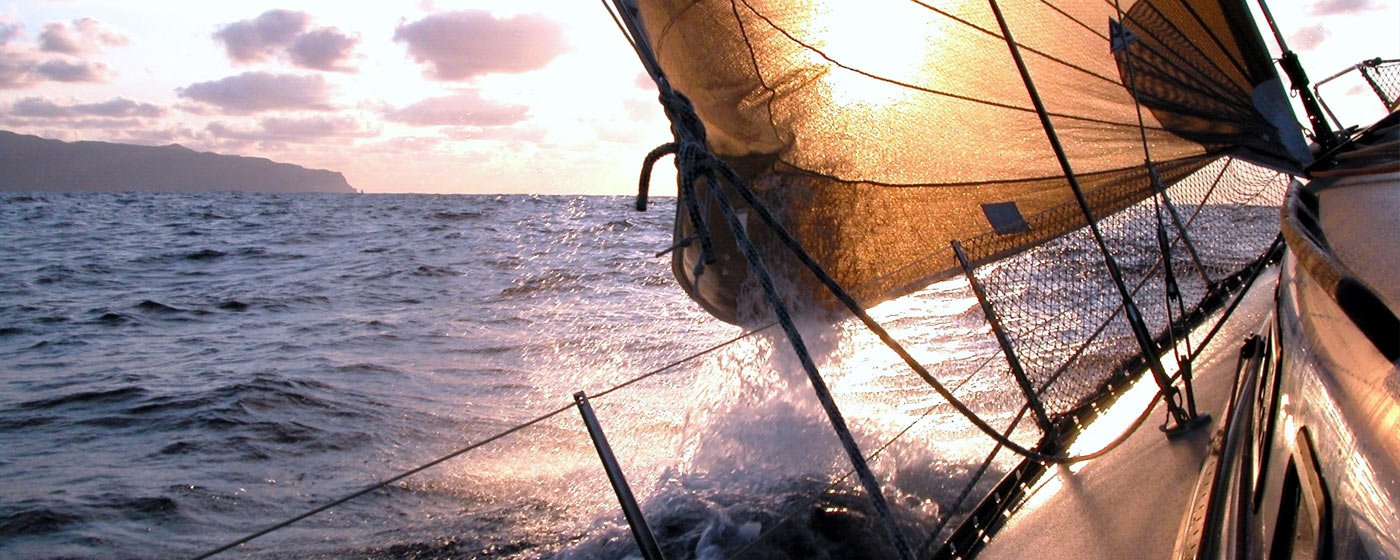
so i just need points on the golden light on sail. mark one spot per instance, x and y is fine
(884, 40)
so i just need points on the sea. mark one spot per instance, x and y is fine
(178, 371)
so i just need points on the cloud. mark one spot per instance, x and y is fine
(16, 71)
(1309, 38)
(9, 30)
(253, 92)
(86, 36)
(466, 108)
(253, 40)
(1332, 7)
(36, 107)
(295, 129)
(466, 44)
(284, 33)
(323, 49)
(21, 65)
(80, 71)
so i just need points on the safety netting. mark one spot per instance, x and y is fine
(1070, 332)
(1384, 78)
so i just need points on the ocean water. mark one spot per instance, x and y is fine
(178, 370)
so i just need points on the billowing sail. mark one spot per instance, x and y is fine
(880, 130)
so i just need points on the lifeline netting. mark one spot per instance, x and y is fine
(881, 130)
(1384, 79)
(1069, 330)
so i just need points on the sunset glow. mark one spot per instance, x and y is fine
(432, 96)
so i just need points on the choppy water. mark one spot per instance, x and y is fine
(177, 370)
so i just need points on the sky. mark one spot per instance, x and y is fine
(532, 96)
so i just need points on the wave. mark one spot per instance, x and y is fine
(152, 306)
(121, 394)
(550, 281)
(204, 255)
(455, 216)
(233, 305)
(434, 271)
(35, 521)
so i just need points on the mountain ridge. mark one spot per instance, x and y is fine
(41, 164)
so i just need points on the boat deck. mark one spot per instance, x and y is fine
(1130, 503)
(1365, 246)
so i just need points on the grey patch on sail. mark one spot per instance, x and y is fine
(1005, 218)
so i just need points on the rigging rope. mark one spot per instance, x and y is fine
(458, 452)
(675, 102)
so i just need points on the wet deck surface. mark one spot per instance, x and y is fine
(1131, 502)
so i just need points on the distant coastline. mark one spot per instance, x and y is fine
(32, 163)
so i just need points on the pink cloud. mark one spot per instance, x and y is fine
(80, 71)
(466, 108)
(36, 107)
(16, 70)
(252, 40)
(1309, 38)
(86, 36)
(283, 33)
(9, 31)
(466, 44)
(294, 129)
(253, 92)
(323, 49)
(1331, 7)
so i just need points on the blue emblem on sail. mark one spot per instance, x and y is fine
(1119, 37)
(1005, 218)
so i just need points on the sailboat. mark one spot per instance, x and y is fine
(834, 155)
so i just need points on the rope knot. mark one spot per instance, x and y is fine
(693, 161)
(685, 124)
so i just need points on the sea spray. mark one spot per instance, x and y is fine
(339, 340)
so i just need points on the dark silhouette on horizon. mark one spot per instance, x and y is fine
(32, 163)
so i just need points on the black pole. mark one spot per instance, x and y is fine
(1017, 370)
(1130, 309)
(1184, 366)
(1299, 81)
(640, 531)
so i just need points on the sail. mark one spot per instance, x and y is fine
(880, 130)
